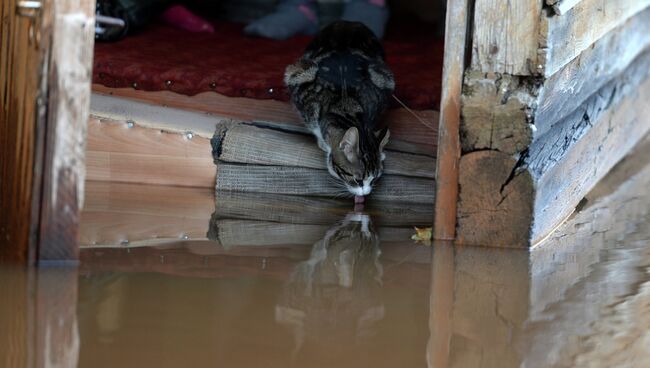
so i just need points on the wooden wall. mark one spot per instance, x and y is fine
(552, 99)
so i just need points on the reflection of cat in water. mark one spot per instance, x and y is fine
(334, 298)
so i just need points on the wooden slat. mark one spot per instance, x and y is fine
(403, 125)
(505, 36)
(449, 127)
(565, 37)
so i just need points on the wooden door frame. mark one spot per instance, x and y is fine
(50, 194)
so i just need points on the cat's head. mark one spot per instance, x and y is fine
(357, 159)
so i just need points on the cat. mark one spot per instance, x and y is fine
(340, 86)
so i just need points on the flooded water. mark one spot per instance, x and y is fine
(174, 277)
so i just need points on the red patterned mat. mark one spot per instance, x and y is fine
(232, 64)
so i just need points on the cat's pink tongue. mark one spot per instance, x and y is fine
(359, 199)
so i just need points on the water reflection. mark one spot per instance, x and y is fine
(291, 282)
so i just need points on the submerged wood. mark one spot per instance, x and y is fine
(261, 144)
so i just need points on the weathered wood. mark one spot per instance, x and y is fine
(505, 36)
(570, 86)
(507, 113)
(521, 38)
(562, 6)
(521, 201)
(69, 75)
(403, 125)
(565, 37)
(457, 25)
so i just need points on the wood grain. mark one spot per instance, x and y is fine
(570, 86)
(565, 37)
(457, 25)
(116, 152)
(403, 125)
(505, 36)
(20, 120)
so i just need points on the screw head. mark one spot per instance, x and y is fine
(189, 135)
(130, 124)
(168, 83)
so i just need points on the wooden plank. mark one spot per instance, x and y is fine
(150, 169)
(615, 134)
(565, 37)
(505, 36)
(449, 126)
(69, 71)
(117, 152)
(403, 125)
(20, 119)
(570, 86)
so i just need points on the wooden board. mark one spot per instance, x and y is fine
(116, 152)
(570, 86)
(565, 37)
(403, 125)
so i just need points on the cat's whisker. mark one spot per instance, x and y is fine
(413, 113)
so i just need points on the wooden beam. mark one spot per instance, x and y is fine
(457, 25)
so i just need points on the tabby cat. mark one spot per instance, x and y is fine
(340, 86)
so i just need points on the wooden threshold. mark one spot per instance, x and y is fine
(402, 124)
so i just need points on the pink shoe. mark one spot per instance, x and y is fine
(180, 17)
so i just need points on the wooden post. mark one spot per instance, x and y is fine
(448, 131)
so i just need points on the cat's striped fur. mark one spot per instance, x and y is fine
(340, 86)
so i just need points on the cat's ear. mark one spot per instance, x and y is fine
(350, 144)
(383, 136)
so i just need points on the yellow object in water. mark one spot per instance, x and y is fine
(422, 235)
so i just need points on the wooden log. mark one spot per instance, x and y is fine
(522, 200)
(144, 106)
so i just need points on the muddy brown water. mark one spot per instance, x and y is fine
(194, 281)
